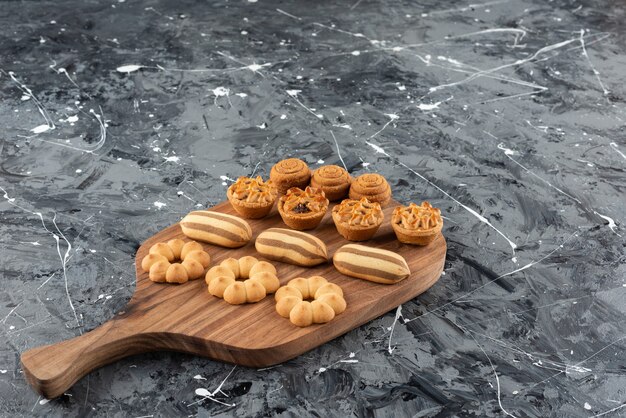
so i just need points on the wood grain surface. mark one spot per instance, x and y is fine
(188, 319)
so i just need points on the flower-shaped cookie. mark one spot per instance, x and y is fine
(303, 209)
(415, 224)
(357, 220)
(252, 198)
(327, 301)
(161, 266)
(260, 280)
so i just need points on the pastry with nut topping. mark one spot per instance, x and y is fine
(303, 209)
(418, 225)
(357, 220)
(333, 180)
(252, 197)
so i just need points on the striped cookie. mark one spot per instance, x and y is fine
(216, 228)
(373, 264)
(291, 247)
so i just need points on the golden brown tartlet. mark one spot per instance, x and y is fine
(252, 198)
(288, 173)
(415, 224)
(333, 180)
(373, 186)
(357, 220)
(303, 209)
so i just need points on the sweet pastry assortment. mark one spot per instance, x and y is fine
(303, 209)
(415, 224)
(216, 228)
(369, 263)
(259, 280)
(290, 173)
(292, 247)
(333, 180)
(303, 200)
(161, 263)
(252, 198)
(357, 220)
(372, 186)
(326, 301)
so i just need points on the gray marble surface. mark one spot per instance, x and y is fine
(118, 117)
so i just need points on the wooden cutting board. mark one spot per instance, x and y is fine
(187, 318)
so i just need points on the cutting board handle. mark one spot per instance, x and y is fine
(52, 369)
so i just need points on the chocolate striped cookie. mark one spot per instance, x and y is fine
(373, 264)
(291, 247)
(216, 228)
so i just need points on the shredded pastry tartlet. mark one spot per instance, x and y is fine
(255, 190)
(309, 200)
(359, 212)
(417, 218)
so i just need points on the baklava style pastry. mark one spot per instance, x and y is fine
(357, 220)
(333, 180)
(290, 173)
(326, 301)
(161, 265)
(418, 225)
(303, 209)
(373, 186)
(252, 198)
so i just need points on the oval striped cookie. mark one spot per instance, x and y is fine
(293, 247)
(373, 264)
(216, 228)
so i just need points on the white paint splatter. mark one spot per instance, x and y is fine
(172, 159)
(242, 95)
(587, 406)
(160, 205)
(199, 377)
(130, 68)
(41, 129)
(425, 107)
(507, 151)
(611, 222)
(614, 146)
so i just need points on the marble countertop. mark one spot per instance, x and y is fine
(119, 117)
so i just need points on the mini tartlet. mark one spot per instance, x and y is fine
(373, 186)
(288, 173)
(303, 209)
(252, 198)
(418, 225)
(357, 220)
(333, 180)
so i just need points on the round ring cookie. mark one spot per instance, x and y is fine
(289, 173)
(333, 180)
(161, 266)
(372, 186)
(260, 280)
(327, 301)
